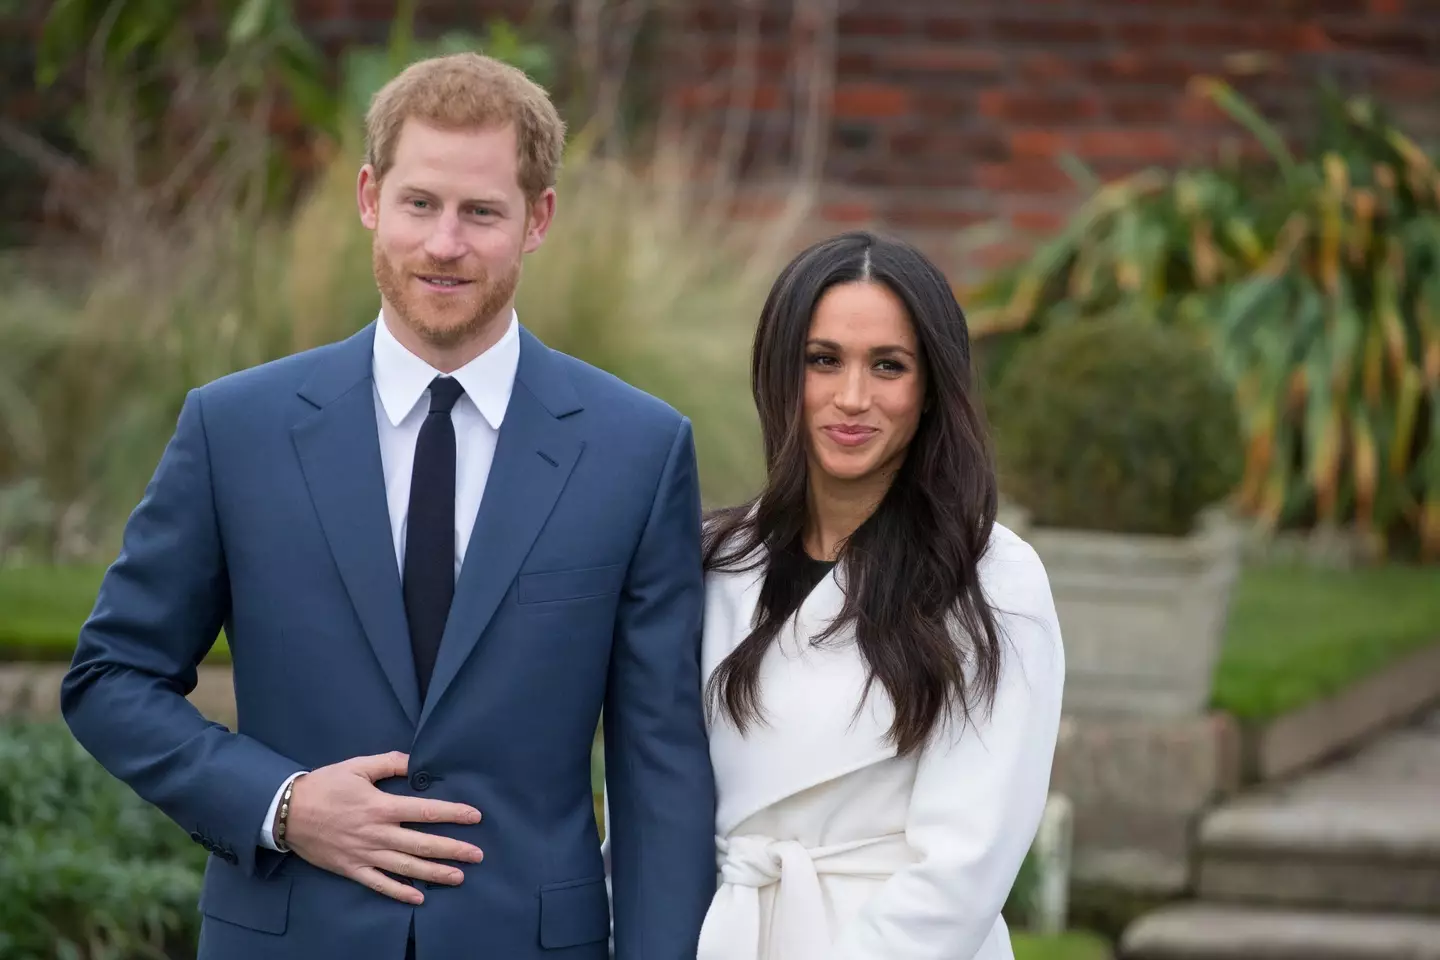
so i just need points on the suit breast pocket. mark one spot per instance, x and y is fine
(558, 586)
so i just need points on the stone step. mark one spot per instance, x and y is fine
(1337, 884)
(1363, 834)
(1204, 931)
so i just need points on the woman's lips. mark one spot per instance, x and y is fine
(850, 436)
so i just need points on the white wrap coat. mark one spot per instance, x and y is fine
(832, 847)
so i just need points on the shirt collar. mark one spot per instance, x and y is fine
(402, 378)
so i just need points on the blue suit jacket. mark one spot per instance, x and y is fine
(581, 589)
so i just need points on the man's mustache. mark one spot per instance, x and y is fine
(434, 268)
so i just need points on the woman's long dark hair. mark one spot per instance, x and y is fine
(912, 568)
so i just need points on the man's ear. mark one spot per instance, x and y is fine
(540, 215)
(367, 196)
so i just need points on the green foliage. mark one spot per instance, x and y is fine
(364, 70)
(87, 870)
(1116, 424)
(186, 101)
(1316, 278)
(134, 37)
(1020, 905)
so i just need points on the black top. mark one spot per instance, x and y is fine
(812, 571)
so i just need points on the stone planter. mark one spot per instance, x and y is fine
(1142, 616)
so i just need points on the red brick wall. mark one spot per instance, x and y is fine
(947, 113)
(952, 112)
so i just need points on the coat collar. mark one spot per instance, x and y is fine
(816, 726)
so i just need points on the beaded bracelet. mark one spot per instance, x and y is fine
(282, 819)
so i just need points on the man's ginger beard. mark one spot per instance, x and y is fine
(442, 320)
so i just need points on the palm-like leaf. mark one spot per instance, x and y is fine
(1317, 283)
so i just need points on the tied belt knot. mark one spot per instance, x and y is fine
(800, 926)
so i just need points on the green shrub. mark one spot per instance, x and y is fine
(1024, 893)
(1315, 275)
(88, 870)
(1116, 424)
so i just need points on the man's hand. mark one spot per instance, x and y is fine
(341, 822)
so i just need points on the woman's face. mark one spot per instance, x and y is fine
(864, 383)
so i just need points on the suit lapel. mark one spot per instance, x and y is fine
(534, 456)
(339, 450)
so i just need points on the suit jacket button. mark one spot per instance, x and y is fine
(420, 780)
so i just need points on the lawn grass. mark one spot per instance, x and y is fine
(1076, 945)
(43, 608)
(1295, 634)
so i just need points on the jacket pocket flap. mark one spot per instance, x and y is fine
(574, 912)
(568, 584)
(230, 895)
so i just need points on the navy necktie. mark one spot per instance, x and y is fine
(430, 530)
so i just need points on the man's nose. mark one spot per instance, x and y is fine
(445, 241)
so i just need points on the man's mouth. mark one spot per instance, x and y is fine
(444, 283)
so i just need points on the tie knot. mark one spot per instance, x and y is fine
(753, 861)
(444, 391)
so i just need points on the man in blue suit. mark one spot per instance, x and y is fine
(438, 549)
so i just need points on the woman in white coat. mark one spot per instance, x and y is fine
(883, 659)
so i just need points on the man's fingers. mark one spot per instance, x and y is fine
(381, 765)
(405, 865)
(413, 810)
(430, 847)
(382, 884)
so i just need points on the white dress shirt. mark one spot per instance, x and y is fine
(401, 383)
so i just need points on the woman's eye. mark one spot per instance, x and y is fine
(890, 366)
(821, 360)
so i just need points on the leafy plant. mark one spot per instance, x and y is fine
(134, 37)
(1315, 278)
(364, 70)
(1116, 424)
(1020, 903)
(87, 869)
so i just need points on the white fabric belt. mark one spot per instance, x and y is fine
(800, 928)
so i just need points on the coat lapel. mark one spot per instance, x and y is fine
(339, 450)
(816, 727)
(534, 456)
